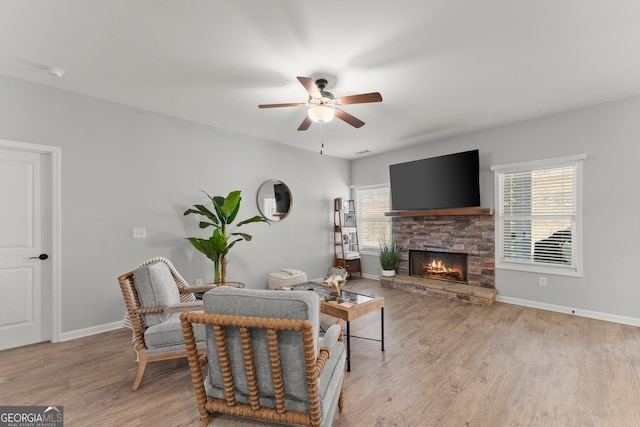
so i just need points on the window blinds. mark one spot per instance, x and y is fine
(373, 227)
(537, 214)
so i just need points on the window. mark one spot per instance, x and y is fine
(371, 204)
(539, 216)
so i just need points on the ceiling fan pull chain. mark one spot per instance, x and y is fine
(321, 138)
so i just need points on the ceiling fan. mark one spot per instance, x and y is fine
(323, 105)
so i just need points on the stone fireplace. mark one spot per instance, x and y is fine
(446, 253)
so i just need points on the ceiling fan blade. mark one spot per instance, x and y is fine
(289, 104)
(359, 99)
(305, 123)
(310, 86)
(353, 121)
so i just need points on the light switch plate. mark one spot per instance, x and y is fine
(139, 233)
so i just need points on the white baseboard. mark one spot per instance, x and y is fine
(633, 321)
(80, 333)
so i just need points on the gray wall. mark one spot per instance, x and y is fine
(609, 134)
(125, 168)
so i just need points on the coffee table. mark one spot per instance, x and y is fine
(348, 306)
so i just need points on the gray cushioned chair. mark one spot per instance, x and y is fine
(155, 294)
(265, 358)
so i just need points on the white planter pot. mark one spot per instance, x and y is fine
(388, 273)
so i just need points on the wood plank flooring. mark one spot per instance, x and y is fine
(446, 363)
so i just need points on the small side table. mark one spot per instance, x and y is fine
(239, 285)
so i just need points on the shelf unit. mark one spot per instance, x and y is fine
(346, 250)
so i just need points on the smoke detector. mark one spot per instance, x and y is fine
(56, 72)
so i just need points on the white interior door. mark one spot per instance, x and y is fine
(25, 279)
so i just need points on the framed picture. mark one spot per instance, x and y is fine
(352, 206)
(349, 220)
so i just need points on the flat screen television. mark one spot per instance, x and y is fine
(445, 182)
(283, 199)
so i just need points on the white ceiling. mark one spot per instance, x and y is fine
(443, 67)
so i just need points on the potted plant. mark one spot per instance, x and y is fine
(223, 238)
(389, 253)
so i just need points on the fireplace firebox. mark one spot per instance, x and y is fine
(450, 266)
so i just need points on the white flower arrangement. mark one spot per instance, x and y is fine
(335, 282)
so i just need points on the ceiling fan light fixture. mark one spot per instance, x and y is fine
(323, 106)
(321, 114)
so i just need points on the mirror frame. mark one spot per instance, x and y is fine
(267, 189)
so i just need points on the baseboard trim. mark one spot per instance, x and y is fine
(632, 321)
(81, 333)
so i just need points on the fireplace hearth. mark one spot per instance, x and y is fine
(438, 265)
(451, 233)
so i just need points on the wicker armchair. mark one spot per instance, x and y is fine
(154, 318)
(264, 357)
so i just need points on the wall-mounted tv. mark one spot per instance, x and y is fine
(451, 181)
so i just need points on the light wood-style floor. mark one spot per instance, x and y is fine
(446, 363)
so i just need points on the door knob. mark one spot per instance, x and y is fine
(41, 256)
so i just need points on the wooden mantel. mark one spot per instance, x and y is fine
(442, 212)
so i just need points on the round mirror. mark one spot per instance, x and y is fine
(274, 200)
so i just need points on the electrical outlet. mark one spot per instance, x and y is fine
(542, 281)
(198, 282)
(139, 233)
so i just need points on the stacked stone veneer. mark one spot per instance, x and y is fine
(441, 288)
(470, 234)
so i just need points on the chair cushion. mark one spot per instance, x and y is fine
(330, 381)
(329, 387)
(167, 336)
(330, 394)
(156, 287)
(300, 305)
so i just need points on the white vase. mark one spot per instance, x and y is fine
(388, 273)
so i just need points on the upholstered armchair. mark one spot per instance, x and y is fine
(264, 357)
(155, 294)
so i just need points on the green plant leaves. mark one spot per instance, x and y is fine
(225, 210)
(257, 218)
(389, 253)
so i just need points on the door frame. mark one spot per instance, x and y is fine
(55, 226)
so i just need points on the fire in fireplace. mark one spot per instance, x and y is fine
(438, 265)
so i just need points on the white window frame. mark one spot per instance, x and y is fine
(507, 263)
(360, 219)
